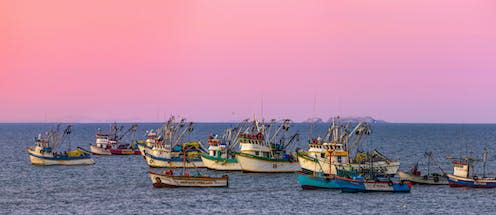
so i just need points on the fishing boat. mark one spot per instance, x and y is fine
(323, 157)
(316, 180)
(112, 143)
(168, 179)
(221, 151)
(264, 148)
(161, 156)
(151, 140)
(170, 151)
(220, 156)
(44, 152)
(325, 177)
(415, 175)
(360, 184)
(464, 176)
(342, 142)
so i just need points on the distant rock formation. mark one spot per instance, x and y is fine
(314, 120)
(367, 119)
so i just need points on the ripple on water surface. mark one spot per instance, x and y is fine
(121, 184)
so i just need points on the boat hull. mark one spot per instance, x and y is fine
(220, 163)
(430, 180)
(313, 164)
(354, 186)
(99, 151)
(157, 162)
(162, 181)
(44, 160)
(322, 165)
(250, 163)
(311, 182)
(387, 168)
(143, 149)
(456, 181)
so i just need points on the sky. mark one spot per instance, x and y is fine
(224, 60)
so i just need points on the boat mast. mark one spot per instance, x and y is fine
(429, 157)
(484, 159)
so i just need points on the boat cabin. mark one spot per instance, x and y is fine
(216, 148)
(254, 145)
(334, 150)
(102, 139)
(461, 169)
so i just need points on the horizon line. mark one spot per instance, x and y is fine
(160, 122)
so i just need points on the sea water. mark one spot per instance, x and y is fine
(120, 184)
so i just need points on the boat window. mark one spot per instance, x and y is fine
(257, 153)
(339, 159)
(322, 155)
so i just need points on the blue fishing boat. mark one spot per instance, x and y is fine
(463, 177)
(316, 181)
(360, 184)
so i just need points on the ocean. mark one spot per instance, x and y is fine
(120, 184)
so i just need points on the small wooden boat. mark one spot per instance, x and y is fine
(43, 153)
(464, 177)
(359, 184)
(169, 180)
(429, 179)
(415, 176)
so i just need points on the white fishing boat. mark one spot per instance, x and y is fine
(102, 144)
(221, 153)
(341, 142)
(465, 176)
(219, 157)
(382, 164)
(113, 144)
(265, 153)
(323, 157)
(171, 151)
(161, 156)
(44, 151)
(151, 140)
(430, 178)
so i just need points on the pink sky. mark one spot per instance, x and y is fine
(83, 61)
